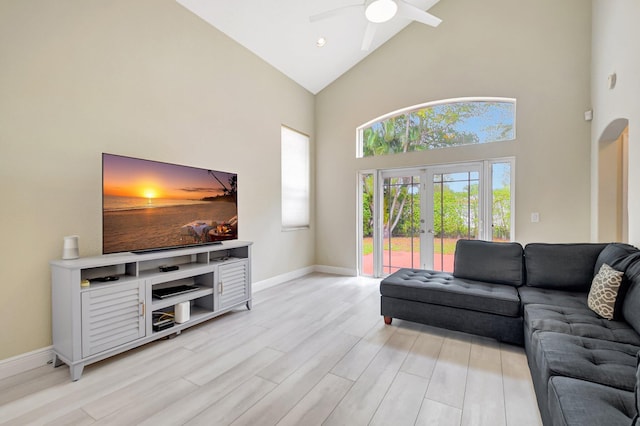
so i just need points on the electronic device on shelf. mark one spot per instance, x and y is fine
(145, 197)
(105, 278)
(163, 293)
(169, 268)
(163, 324)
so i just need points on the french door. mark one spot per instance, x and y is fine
(402, 242)
(412, 218)
(453, 211)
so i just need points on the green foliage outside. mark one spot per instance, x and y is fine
(502, 213)
(440, 126)
(454, 214)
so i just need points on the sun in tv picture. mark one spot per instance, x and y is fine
(149, 205)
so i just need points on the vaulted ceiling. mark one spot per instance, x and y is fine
(281, 33)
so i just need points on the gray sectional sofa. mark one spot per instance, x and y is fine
(584, 367)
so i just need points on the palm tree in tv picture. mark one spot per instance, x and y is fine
(230, 191)
(229, 228)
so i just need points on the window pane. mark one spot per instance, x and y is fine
(366, 263)
(501, 203)
(401, 223)
(456, 214)
(295, 179)
(440, 125)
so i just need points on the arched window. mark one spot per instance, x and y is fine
(440, 124)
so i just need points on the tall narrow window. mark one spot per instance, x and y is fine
(367, 215)
(295, 179)
(502, 201)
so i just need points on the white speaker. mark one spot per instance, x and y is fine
(70, 247)
(182, 312)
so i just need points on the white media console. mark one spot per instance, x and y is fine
(94, 322)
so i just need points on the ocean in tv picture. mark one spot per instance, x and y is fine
(131, 224)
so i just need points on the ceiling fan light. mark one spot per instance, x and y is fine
(380, 11)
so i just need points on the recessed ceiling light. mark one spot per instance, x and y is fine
(321, 42)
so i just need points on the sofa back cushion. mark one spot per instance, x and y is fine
(498, 263)
(636, 418)
(566, 267)
(631, 302)
(617, 255)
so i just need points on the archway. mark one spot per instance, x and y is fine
(613, 218)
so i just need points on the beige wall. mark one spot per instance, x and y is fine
(537, 52)
(143, 78)
(615, 50)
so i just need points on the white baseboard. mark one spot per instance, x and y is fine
(283, 278)
(30, 360)
(24, 362)
(336, 270)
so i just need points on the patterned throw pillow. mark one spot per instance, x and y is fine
(604, 290)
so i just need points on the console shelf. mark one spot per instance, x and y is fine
(106, 318)
(158, 304)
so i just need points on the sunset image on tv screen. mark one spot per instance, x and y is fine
(152, 205)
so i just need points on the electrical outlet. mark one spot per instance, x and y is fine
(535, 217)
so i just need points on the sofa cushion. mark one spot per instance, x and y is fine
(575, 402)
(500, 263)
(441, 288)
(580, 321)
(543, 296)
(566, 267)
(604, 291)
(599, 361)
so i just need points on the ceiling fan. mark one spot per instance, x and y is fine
(380, 11)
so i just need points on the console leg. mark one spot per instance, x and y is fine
(249, 305)
(56, 361)
(76, 371)
(387, 320)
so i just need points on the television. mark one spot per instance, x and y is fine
(150, 205)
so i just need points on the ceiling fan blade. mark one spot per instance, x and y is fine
(429, 5)
(407, 10)
(369, 32)
(334, 12)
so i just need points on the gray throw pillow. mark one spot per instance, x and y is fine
(604, 291)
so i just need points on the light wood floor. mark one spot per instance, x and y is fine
(312, 351)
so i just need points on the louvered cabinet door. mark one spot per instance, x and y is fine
(112, 316)
(233, 284)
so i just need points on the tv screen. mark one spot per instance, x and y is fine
(149, 205)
